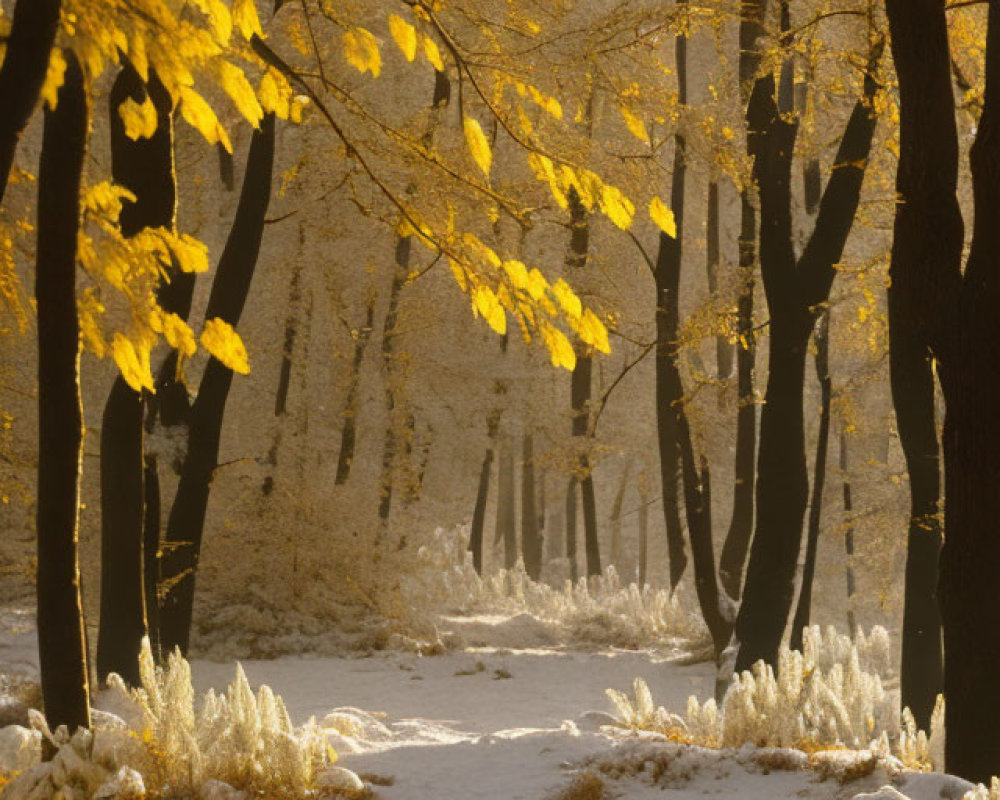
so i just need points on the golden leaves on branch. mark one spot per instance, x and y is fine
(478, 146)
(361, 51)
(663, 217)
(225, 344)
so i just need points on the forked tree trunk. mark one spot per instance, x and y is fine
(62, 647)
(22, 74)
(146, 168)
(182, 543)
(794, 287)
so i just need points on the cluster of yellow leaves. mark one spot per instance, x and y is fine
(132, 268)
(187, 43)
(361, 48)
(497, 287)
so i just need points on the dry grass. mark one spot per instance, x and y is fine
(585, 785)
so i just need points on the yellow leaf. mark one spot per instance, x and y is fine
(487, 304)
(635, 125)
(459, 275)
(200, 116)
(275, 94)
(478, 146)
(54, 77)
(224, 343)
(592, 331)
(432, 53)
(245, 18)
(133, 362)
(220, 21)
(544, 170)
(299, 102)
(89, 311)
(568, 300)
(560, 350)
(616, 206)
(361, 51)
(235, 84)
(405, 36)
(191, 254)
(179, 335)
(517, 273)
(139, 118)
(663, 217)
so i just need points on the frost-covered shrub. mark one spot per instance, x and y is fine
(176, 747)
(599, 610)
(244, 739)
(832, 695)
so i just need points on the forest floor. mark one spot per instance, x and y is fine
(500, 723)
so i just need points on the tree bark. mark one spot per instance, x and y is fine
(182, 543)
(616, 518)
(506, 522)
(737, 543)
(531, 542)
(479, 513)
(389, 445)
(348, 436)
(574, 570)
(793, 288)
(803, 610)
(62, 647)
(643, 528)
(146, 168)
(22, 74)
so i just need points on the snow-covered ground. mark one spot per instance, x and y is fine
(532, 723)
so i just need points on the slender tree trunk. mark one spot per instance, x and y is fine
(22, 74)
(643, 527)
(146, 168)
(616, 517)
(531, 541)
(226, 301)
(802, 611)
(737, 544)
(62, 646)
(479, 513)
(574, 571)
(389, 446)
(723, 350)
(852, 624)
(350, 412)
(506, 521)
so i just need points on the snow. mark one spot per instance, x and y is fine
(504, 723)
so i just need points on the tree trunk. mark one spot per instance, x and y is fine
(146, 168)
(479, 513)
(737, 543)
(643, 528)
(22, 74)
(574, 570)
(348, 436)
(531, 541)
(389, 445)
(793, 288)
(506, 521)
(852, 624)
(62, 647)
(228, 297)
(616, 518)
(723, 350)
(802, 611)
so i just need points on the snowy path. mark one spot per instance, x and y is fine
(481, 736)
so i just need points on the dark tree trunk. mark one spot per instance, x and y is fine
(62, 646)
(589, 503)
(643, 528)
(802, 611)
(506, 521)
(574, 570)
(737, 544)
(852, 624)
(348, 436)
(228, 297)
(793, 289)
(723, 350)
(479, 513)
(531, 541)
(22, 75)
(146, 168)
(926, 319)
(389, 446)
